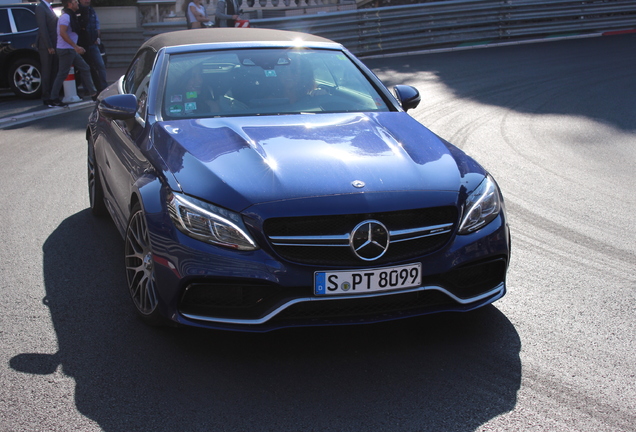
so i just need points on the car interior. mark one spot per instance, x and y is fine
(266, 82)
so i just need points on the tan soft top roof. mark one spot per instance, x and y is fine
(228, 35)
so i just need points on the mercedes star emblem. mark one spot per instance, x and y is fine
(369, 240)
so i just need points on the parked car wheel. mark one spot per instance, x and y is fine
(25, 78)
(95, 191)
(140, 270)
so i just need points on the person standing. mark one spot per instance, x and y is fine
(227, 12)
(90, 39)
(46, 43)
(69, 53)
(196, 14)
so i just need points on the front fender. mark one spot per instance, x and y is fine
(148, 194)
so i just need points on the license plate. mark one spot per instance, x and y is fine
(367, 280)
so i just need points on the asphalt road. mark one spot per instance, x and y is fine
(554, 122)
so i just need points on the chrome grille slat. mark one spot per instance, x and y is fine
(439, 229)
(310, 240)
(403, 235)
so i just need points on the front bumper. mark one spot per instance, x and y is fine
(204, 286)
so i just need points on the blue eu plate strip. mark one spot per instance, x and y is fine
(320, 285)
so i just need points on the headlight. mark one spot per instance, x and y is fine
(209, 223)
(482, 206)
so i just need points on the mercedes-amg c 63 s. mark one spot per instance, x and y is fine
(264, 179)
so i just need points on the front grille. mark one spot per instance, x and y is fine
(304, 237)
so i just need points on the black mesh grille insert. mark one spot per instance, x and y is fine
(475, 279)
(236, 300)
(365, 307)
(252, 300)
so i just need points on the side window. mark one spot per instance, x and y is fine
(140, 69)
(129, 79)
(142, 96)
(24, 19)
(138, 79)
(5, 25)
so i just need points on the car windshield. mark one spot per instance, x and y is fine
(266, 82)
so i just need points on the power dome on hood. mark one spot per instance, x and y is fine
(241, 161)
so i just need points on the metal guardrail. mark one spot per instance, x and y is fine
(453, 23)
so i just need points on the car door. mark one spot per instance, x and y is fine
(18, 31)
(123, 160)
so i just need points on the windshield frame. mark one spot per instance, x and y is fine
(384, 100)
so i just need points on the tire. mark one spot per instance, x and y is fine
(25, 78)
(95, 191)
(140, 272)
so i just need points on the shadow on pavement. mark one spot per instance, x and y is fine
(450, 372)
(582, 77)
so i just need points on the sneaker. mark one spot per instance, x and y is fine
(57, 103)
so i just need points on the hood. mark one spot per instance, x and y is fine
(237, 162)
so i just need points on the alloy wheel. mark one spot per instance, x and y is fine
(140, 265)
(26, 79)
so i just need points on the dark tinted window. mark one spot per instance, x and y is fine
(5, 27)
(138, 78)
(24, 19)
(139, 71)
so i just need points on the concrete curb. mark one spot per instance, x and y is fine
(18, 119)
(38, 111)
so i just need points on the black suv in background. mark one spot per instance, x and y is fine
(19, 59)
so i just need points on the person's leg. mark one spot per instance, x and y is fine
(85, 72)
(96, 62)
(65, 60)
(46, 65)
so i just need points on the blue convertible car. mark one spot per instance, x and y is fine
(264, 179)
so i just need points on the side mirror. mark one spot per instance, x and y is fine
(408, 96)
(118, 107)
